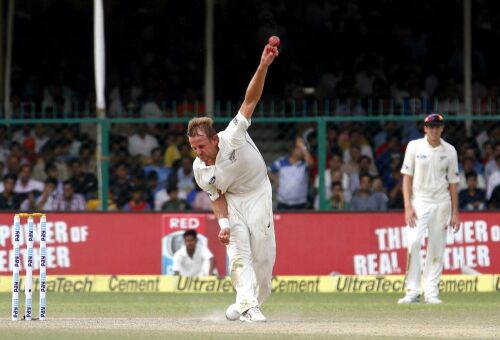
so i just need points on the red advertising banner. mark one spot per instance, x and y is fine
(85, 243)
(307, 243)
(375, 243)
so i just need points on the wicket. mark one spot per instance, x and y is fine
(29, 267)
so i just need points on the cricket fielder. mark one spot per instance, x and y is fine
(230, 168)
(430, 181)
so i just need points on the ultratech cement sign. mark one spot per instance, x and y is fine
(280, 284)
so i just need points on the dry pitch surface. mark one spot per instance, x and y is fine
(291, 316)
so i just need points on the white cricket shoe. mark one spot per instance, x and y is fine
(407, 299)
(433, 300)
(253, 315)
(232, 313)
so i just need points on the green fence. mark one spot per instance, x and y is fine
(273, 132)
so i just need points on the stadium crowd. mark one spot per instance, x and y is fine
(367, 57)
(357, 53)
(53, 168)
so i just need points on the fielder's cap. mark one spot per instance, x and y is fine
(434, 119)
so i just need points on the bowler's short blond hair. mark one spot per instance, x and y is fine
(201, 126)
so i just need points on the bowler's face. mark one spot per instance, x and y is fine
(205, 148)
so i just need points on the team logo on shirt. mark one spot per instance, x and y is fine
(212, 180)
(442, 158)
(405, 167)
(232, 157)
(235, 121)
(421, 156)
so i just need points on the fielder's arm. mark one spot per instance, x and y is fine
(219, 207)
(455, 219)
(410, 216)
(256, 85)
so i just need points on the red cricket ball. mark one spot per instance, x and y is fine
(274, 41)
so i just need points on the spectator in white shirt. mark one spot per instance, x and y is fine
(141, 144)
(494, 179)
(194, 258)
(468, 166)
(25, 183)
(69, 200)
(40, 137)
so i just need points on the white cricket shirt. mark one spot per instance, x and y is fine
(239, 167)
(432, 168)
(198, 265)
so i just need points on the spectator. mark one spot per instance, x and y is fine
(88, 159)
(4, 144)
(25, 183)
(393, 150)
(494, 179)
(352, 166)
(29, 203)
(335, 165)
(52, 173)
(470, 151)
(70, 134)
(151, 186)
(13, 165)
(157, 166)
(291, 175)
(337, 200)
(161, 197)
(365, 199)
(366, 166)
(185, 177)
(494, 202)
(395, 187)
(172, 152)
(20, 135)
(120, 184)
(84, 183)
(174, 202)
(45, 202)
(356, 138)
(45, 157)
(137, 202)
(193, 258)
(28, 150)
(10, 200)
(492, 166)
(40, 137)
(472, 198)
(377, 184)
(69, 200)
(200, 200)
(467, 167)
(141, 144)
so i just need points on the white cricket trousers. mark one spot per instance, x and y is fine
(252, 246)
(434, 219)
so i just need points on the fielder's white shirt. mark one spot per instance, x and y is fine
(239, 167)
(198, 265)
(432, 168)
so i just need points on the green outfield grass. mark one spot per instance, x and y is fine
(291, 316)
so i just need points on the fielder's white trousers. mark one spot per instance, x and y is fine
(252, 246)
(434, 219)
